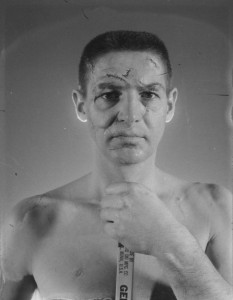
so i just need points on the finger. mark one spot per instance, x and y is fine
(112, 201)
(110, 229)
(116, 188)
(109, 215)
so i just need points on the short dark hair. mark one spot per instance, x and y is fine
(121, 40)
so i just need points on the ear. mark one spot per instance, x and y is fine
(172, 97)
(79, 105)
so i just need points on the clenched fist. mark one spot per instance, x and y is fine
(137, 218)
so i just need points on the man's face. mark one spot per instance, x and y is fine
(127, 105)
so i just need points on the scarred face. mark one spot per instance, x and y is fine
(127, 105)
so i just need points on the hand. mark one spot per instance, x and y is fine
(137, 218)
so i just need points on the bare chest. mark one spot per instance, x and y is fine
(78, 261)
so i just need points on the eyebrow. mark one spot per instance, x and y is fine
(141, 87)
(151, 86)
(108, 85)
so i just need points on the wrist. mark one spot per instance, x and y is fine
(173, 242)
(191, 274)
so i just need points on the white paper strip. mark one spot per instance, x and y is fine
(125, 269)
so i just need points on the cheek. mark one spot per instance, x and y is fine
(155, 121)
(155, 118)
(98, 121)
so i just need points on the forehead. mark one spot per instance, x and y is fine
(128, 65)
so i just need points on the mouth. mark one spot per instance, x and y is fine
(125, 140)
(126, 135)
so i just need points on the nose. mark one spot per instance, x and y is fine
(131, 109)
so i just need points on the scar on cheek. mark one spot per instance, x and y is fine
(164, 73)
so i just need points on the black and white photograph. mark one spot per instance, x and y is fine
(116, 149)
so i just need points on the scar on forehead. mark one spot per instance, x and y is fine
(127, 73)
(115, 76)
(153, 62)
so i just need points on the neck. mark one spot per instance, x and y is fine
(106, 173)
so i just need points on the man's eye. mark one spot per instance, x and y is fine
(111, 96)
(149, 95)
(108, 99)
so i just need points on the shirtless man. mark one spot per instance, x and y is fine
(64, 242)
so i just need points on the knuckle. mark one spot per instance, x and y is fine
(109, 229)
(103, 214)
(121, 229)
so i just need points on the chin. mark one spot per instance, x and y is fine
(128, 156)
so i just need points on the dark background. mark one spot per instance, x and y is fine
(43, 145)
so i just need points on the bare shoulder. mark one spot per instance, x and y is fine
(28, 221)
(39, 214)
(221, 210)
(211, 202)
(32, 220)
(219, 194)
(215, 197)
(35, 214)
(221, 197)
(219, 247)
